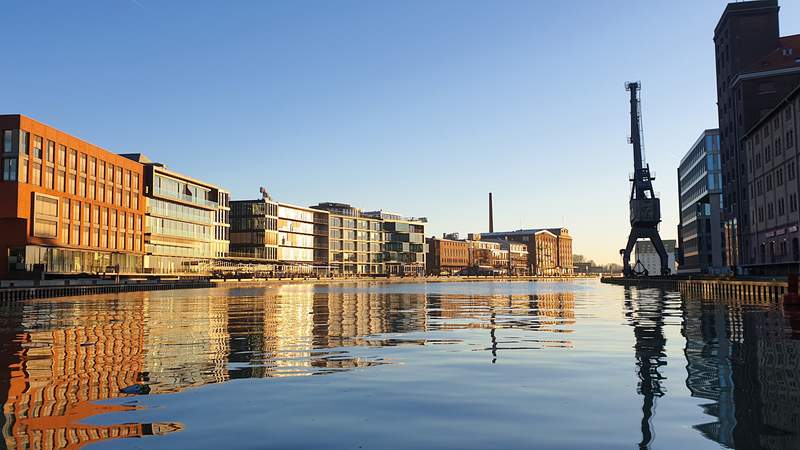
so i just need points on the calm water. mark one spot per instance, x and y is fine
(381, 366)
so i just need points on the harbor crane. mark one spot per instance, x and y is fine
(645, 208)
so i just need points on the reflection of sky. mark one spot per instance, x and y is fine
(467, 365)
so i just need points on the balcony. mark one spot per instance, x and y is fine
(184, 198)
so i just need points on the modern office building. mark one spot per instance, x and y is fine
(296, 237)
(254, 229)
(446, 256)
(182, 220)
(645, 253)
(756, 68)
(404, 245)
(700, 205)
(354, 244)
(549, 249)
(773, 187)
(68, 206)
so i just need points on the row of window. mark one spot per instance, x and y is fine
(778, 206)
(768, 182)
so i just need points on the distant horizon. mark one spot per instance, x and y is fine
(421, 108)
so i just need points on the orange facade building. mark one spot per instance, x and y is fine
(67, 206)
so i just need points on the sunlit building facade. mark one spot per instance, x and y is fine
(182, 223)
(254, 229)
(404, 245)
(296, 237)
(355, 241)
(67, 206)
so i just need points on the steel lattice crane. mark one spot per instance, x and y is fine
(645, 207)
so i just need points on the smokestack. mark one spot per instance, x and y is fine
(491, 215)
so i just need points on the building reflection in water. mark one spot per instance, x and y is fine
(61, 357)
(744, 360)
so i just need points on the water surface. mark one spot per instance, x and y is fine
(439, 365)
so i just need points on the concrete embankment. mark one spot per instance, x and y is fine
(757, 290)
(26, 289)
(13, 290)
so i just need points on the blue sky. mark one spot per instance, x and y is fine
(416, 107)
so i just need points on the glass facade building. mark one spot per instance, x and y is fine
(183, 222)
(404, 246)
(254, 229)
(354, 242)
(700, 230)
(296, 237)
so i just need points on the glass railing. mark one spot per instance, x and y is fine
(184, 198)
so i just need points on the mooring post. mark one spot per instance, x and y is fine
(792, 299)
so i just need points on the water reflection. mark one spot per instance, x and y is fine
(73, 370)
(745, 361)
(62, 357)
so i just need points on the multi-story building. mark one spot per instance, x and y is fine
(68, 206)
(296, 237)
(404, 245)
(517, 257)
(354, 244)
(549, 249)
(446, 256)
(756, 68)
(773, 187)
(182, 220)
(481, 253)
(648, 257)
(254, 229)
(700, 204)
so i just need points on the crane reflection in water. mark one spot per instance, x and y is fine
(645, 313)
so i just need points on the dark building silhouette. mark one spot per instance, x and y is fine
(755, 70)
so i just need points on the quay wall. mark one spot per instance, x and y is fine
(28, 289)
(756, 290)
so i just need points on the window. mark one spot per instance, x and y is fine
(92, 166)
(8, 141)
(10, 169)
(83, 163)
(48, 177)
(110, 169)
(91, 190)
(37, 147)
(23, 170)
(82, 186)
(25, 142)
(71, 181)
(73, 160)
(62, 155)
(36, 174)
(101, 170)
(51, 151)
(45, 216)
(60, 180)
(127, 178)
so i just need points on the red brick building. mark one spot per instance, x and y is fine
(446, 256)
(67, 206)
